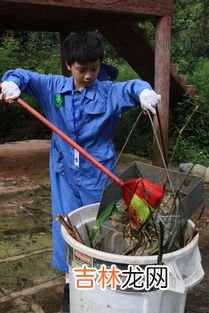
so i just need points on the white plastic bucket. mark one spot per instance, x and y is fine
(184, 265)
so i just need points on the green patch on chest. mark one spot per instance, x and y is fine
(58, 100)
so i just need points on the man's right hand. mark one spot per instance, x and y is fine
(9, 91)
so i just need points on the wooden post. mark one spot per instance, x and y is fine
(162, 84)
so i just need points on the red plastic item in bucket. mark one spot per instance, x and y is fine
(143, 198)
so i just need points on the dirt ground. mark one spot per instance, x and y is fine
(27, 281)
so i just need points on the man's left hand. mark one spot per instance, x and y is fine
(149, 100)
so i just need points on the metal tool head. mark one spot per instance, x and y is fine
(192, 189)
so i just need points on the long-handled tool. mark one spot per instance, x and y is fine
(144, 189)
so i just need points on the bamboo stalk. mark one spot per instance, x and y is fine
(71, 230)
(24, 255)
(33, 290)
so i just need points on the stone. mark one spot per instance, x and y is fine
(198, 170)
(185, 167)
(206, 177)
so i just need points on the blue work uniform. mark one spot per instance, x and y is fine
(90, 117)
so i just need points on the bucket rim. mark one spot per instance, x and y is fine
(123, 259)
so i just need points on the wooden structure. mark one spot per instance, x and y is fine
(117, 20)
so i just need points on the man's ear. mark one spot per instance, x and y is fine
(68, 66)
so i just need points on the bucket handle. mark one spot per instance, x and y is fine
(179, 284)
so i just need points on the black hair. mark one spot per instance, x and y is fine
(83, 48)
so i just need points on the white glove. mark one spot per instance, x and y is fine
(9, 90)
(149, 99)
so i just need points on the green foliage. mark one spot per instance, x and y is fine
(9, 54)
(192, 136)
(200, 78)
(36, 52)
(190, 33)
(188, 151)
(43, 53)
(126, 72)
(140, 141)
(190, 50)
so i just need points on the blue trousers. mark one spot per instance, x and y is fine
(65, 199)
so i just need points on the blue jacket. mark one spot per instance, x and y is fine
(90, 118)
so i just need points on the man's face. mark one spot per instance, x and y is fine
(84, 74)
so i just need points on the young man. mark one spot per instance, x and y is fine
(87, 110)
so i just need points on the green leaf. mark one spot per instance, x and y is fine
(101, 218)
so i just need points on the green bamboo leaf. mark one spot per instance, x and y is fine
(100, 220)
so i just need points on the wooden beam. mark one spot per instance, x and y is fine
(132, 44)
(149, 7)
(29, 17)
(162, 84)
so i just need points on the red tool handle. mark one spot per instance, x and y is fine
(70, 142)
